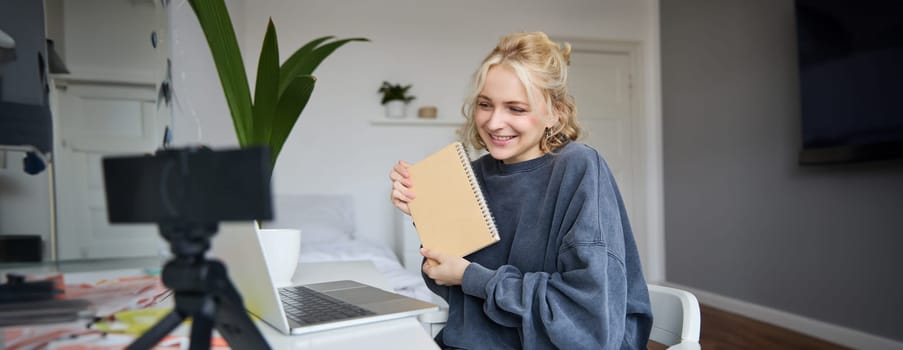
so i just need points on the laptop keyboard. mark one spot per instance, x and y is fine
(307, 306)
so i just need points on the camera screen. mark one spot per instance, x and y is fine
(189, 185)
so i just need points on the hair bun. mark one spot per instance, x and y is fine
(566, 52)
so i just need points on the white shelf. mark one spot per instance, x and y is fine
(417, 121)
(105, 77)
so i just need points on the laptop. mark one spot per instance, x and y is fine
(238, 245)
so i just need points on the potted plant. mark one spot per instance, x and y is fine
(281, 91)
(280, 95)
(395, 98)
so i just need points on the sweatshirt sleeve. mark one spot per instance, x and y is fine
(583, 304)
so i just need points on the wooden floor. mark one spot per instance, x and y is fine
(724, 330)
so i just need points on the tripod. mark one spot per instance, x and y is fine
(203, 292)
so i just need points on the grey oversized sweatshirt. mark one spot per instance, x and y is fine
(566, 273)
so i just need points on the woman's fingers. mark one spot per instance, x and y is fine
(400, 174)
(405, 193)
(401, 184)
(403, 206)
(402, 169)
(400, 197)
(394, 176)
(443, 269)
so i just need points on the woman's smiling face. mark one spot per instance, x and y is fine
(507, 123)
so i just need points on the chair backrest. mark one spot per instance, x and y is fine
(676, 320)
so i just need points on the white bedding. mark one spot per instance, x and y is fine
(402, 281)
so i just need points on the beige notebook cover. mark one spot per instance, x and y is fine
(449, 211)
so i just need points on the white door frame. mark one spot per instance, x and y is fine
(73, 200)
(646, 138)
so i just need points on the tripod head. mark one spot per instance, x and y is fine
(188, 240)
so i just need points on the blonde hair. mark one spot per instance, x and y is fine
(539, 63)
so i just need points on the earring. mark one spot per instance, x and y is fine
(548, 134)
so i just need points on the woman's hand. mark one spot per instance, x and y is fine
(401, 186)
(446, 270)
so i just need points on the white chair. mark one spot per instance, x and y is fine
(676, 320)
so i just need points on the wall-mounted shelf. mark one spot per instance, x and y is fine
(106, 78)
(414, 121)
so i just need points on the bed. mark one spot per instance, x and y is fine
(328, 234)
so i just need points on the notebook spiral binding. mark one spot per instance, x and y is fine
(475, 187)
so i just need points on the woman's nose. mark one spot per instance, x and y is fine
(496, 119)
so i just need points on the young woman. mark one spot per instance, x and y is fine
(566, 273)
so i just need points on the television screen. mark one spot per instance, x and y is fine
(851, 72)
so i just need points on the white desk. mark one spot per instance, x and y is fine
(406, 333)
(395, 334)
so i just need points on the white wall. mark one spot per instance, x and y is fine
(810, 248)
(433, 45)
(200, 114)
(24, 199)
(104, 38)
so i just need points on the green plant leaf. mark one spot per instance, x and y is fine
(312, 61)
(265, 97)
(217, 26)
(290, 68)
(308, 62)
(291, 103)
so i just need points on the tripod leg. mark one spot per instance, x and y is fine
(234, 324)
(157, 332)
(232, 321)
(202, 325)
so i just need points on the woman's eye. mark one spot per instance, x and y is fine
(484, 105)
(518, 110)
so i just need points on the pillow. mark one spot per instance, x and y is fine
(319, 217)
(320, 233)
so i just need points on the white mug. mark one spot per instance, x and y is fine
(282, 248)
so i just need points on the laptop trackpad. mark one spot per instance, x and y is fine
(363, 295)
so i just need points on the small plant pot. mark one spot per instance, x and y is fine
(395, 109)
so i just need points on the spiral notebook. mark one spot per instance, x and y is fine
(449, 210)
